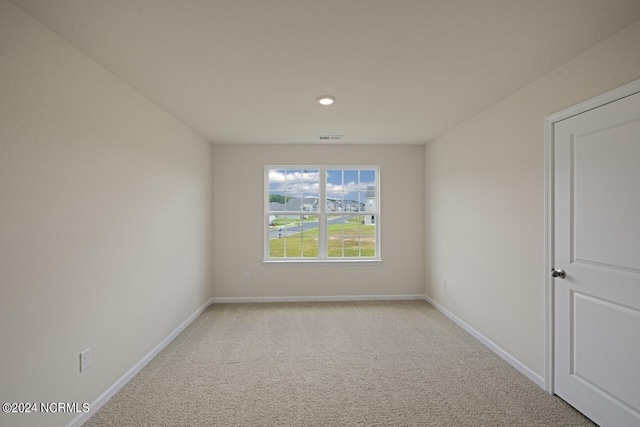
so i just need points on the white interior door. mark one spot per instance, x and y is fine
(597, 245)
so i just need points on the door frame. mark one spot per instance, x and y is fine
(549, 145)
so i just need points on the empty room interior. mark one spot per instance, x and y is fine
(241, 212)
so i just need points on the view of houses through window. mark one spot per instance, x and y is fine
(322, 212)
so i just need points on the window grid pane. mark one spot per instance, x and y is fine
(347, 214)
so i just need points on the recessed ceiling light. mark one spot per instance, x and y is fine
(326, 99)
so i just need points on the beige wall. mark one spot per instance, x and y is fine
(238, 185)
(105, 222)
(485, 195)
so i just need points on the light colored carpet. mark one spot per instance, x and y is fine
(330, 364)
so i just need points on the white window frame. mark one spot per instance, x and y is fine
(322, 213)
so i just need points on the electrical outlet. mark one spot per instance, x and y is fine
(444, 284)
(85, 359)
(246, 275)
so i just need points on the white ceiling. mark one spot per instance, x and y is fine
(403, 71)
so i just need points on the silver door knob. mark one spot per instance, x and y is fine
(558, 273)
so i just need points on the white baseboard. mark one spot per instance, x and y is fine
(113, 389)
(225, 300)
(525, 370)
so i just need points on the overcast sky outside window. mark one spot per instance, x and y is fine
(347, 184)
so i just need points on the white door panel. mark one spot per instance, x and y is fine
(611, 373)
(605, 181)
(597, 244)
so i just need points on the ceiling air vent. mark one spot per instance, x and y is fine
(329, 138)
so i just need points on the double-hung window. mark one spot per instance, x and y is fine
(322, 213)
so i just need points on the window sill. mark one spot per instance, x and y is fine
(322, 262)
